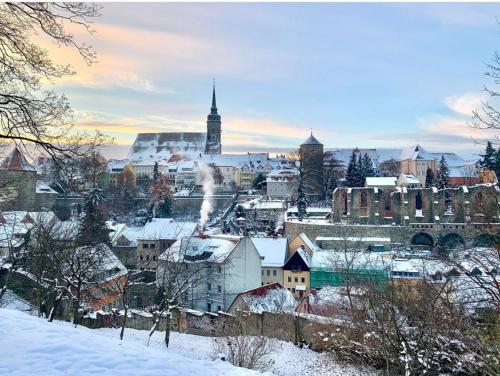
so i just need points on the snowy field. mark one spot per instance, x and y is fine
(286, 359)
(32, 346)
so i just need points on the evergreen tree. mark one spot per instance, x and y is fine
(260, 178)
(156, 172)
(165, 208)
(360, 179)
(497, 163)
(366, 169)
(429, 177)
(301, 201)
(352, 171)
(488, 158)
(93, 229)
(443, 174)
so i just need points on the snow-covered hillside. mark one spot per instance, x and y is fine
(286, 358)
(33, 346)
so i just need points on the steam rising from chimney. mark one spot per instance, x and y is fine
(207, 180)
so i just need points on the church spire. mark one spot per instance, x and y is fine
(213, 109)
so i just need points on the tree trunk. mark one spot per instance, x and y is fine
(75, 313)
(124, 322)
(153, 329)
(167, 329)
(56, 304)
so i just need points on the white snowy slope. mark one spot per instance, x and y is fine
(33, 346)
(286, 359)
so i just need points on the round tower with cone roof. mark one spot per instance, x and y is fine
(311, 165)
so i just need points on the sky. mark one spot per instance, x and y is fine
(365, 75)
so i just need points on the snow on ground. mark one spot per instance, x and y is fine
(12, 301)
(286, 359)
(33, 346)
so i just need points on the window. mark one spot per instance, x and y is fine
(147, 257)
(152, 246)
(209, 287)
(447, 203)
(219, 308)
(289, 279)
(268, 272)
(344, 198)
(145, 245)
(293, 290)
(219, 269)
(219, 288)
(387, 202)
(274, 273)
(209, 307)
(154, 258)
(262, 272)
(363, 200)
(296, 279)
(418, 201)
(141, 257)
(302, 280)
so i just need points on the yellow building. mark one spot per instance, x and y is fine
(296, 273)
(302, 241)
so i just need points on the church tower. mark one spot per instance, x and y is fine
(213, 145)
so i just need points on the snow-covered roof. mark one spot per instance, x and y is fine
(42, 187)
(12, 159)
(131, 234)
(271, 250)
(193, 249)
(116, 165)
(409, 179)
(165, 144)
(166, 228)
(260, 204)
(269, 298)
(381, 181)
(286, 172)
(313, 247)
(311, 140)
(356, 258)
(382, 155)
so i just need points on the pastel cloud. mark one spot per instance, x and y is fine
(465, 104)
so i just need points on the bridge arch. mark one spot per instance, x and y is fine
(423, 240)
(452, 241)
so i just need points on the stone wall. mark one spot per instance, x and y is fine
(286, 327)
(17, 190)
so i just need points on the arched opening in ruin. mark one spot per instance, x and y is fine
(344, 202)
(418, 204)
(363, 204)
(422, 240)
(452, 241)
(486, 240)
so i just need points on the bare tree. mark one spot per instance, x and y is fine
(93, 166)
(28, 114)
(11, 252)
(183, 274)
(241, 348)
